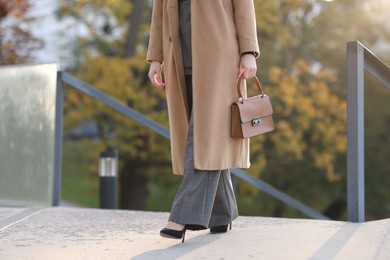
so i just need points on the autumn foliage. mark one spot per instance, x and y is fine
(16, 40)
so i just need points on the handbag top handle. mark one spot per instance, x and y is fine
(258, 85)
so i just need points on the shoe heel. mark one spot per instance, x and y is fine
(230, 228)
(184, 235)
(171, 233)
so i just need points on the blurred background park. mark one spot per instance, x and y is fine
(302, 68)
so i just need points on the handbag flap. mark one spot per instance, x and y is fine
(254, 107)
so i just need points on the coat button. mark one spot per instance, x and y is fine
(170, 38)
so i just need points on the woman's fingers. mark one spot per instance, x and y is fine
(158, 81)
(248, 64)
(250, 73)
(155, 74)
(240, 71)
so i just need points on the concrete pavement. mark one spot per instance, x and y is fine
(79, 233)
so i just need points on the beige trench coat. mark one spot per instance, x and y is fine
(221, 31)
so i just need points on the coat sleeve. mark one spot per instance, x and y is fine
(245, 20)
(155, 49)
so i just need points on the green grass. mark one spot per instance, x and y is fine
(80, 181)
(81, 191)
(161, 198)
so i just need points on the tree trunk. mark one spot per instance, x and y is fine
(133, 183)
(134, 24)
(133, 187)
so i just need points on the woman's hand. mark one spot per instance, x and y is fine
(155, 74)
(248, 66)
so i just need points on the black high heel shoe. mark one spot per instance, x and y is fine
(220, 229)
(175, 234)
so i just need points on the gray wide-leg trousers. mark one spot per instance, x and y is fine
(205, 198)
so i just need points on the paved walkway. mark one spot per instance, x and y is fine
(77, 233)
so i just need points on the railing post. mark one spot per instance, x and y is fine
(355, 131)
(57, 165)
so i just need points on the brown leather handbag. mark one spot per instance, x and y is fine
(251, 116)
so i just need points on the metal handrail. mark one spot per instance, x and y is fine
(376, 67)
(359, 58)
(152, 125)
(111, 102)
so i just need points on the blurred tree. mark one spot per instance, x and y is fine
(113, 30)
(302, 156)
(16, 40)
(316, 32)
(143, 154)
(134, 23)
(347, 20)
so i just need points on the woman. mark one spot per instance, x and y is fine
(204, 46)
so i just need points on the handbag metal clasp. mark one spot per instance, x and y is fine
(256, 121)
